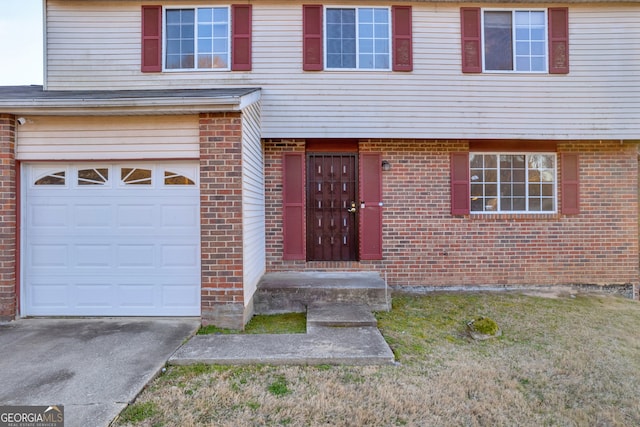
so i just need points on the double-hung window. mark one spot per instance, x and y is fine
(515, 40)
(197, 38)
(358, 38)
(513, 182)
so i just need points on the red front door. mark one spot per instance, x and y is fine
(332, 207)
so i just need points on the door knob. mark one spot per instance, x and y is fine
(353, 208)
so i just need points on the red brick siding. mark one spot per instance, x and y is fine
(8, 242)
(221, 212)
(423, 244)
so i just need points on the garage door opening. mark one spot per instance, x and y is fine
(111, 239)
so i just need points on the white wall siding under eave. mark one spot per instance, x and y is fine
(89, 138)
(598, 99)
(253, 226)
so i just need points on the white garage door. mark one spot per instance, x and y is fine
(111, 239)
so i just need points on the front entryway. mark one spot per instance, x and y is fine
(332, 207)
(111, 239)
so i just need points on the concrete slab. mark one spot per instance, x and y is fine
(340, 315)
(330, 346)
(290, 291)
(94, 367)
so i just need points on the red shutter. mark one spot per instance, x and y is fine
(471, 40)
(558, 40)
(241, 37)
(370, 230)
(312, 37)
(402, 38)
(570, 184)
(151, 61)
(460, 184)
(293, 206)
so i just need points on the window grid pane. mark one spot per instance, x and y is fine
(530, 41)
(526, 182)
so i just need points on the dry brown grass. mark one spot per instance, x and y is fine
(560, 362)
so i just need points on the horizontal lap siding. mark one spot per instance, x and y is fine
(253, 223)
(85, 138)
(597, 99)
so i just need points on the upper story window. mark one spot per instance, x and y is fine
(522, 41)
(515, 40)
(197, 38)
(358, 38)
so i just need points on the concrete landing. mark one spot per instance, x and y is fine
(289, 292)
(339, 334)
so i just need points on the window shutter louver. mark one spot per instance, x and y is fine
(293, 206)
(558, 40)
(370, 230)
(402, 38)
(471, 40)
(241, 37)
(151, 60)
(312, 38)
(460, 199)
(570, 184)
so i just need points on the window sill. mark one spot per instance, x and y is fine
(515, 216)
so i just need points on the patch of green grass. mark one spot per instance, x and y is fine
(287, 323)
(279, 387)
(213, 330)
(138, 412)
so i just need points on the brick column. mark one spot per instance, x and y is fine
(8, 243)
(222, 291)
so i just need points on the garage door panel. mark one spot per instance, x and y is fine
(93, 255)
(47, 215)
(98, 216)
(179, 216)
(46, 255)
(111, 248)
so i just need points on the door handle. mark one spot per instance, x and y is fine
(353, 208)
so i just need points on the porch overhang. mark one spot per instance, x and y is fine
(34, 100)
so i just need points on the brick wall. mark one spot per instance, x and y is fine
(8, 241)
(423, 244)
(221, 219)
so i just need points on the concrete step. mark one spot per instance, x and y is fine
(322, 346)
(340, 315)
(287, 292)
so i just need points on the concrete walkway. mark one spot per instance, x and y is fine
(336, 334)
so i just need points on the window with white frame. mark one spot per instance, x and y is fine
(515, 40)
(358, 38)
(513, 182)
(197, 38)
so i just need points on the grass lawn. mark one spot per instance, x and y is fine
(565, 361)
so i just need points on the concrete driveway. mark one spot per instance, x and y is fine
(94, 367)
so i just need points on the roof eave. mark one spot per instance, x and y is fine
(128, 106)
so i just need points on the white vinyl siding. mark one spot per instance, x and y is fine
(82, 138)
(598, 99)
(253, 221)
